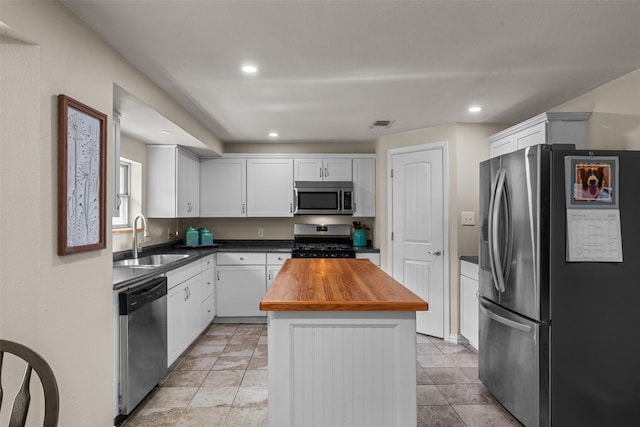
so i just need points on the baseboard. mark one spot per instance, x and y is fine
(248, 319)
(458, 339)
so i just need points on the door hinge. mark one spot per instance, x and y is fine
(391, 173)
(392, 235)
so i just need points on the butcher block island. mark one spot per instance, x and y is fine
(342, 345)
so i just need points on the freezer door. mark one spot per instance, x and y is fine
(514, 363)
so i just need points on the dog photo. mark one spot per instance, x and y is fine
(593, 182)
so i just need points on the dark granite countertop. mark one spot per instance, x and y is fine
(124, 277)
(469, 258)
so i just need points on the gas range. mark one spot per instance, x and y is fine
(322, 241)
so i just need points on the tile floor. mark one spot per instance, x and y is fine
(221, 380)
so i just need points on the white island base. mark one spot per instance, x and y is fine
(342, 368)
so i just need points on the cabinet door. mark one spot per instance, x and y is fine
(176, 298)
(272, 272)
(239, 290)
(308, 169)
(192, 310)
(183, 317)
(374, 257)
(269, 187)
(161, 181)
(223, 188)
(188, 176)
(337, 170)
(364, 187)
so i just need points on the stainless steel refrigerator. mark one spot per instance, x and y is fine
(559, 341)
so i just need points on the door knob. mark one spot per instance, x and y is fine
(437, 252)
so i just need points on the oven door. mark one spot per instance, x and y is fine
(317, 201)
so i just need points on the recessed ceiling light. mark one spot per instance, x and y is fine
(475, 109)
(273, 134)
(249, 69)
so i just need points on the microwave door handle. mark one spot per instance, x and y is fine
(340, 200)
(295, 200)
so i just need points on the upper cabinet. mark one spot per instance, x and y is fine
(223, 188)
(364, 187)
(319, 169)
(173, 182)
(545, 128)
(270, 187)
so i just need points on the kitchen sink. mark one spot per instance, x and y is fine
(150, 260)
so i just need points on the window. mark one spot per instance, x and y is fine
(123, 196)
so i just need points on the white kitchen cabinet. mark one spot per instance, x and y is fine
(274, 264)
(364, 187)
(207, 279)
(269, 187)
(374, 257)
(240, 283)
(223, 188)
(469, 323)
(173, 182)
(545, 128)
(323, 169)
(184, 303)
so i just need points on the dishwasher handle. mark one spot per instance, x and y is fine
(137, 297)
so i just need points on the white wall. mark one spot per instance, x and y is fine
(615, 121)
(59, 306)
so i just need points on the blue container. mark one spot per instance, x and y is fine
(206, 237)
(359, 238)
(191, 237)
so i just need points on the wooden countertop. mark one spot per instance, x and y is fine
(328, 284)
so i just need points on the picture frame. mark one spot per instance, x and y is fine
(82, 174)
(591, 182)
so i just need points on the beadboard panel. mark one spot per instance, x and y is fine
(357, 369)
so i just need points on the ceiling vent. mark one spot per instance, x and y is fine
(381, 124)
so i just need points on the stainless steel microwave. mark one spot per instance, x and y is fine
(323, 198)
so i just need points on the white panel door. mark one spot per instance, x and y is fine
(418, 232)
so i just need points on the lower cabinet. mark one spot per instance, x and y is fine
(469, 322)
(208, 291)
(274, 264)
(240, 283)
(374, 257)
(183, 316)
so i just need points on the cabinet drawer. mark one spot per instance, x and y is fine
(276, 258)
(207, 262)
(208, 283)
(241, 258)
(207, 311)
(179, 275)
(469, 269)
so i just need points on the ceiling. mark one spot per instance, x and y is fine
(328, 69)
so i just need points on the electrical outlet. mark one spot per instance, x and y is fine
(260, 232)
(468, 218)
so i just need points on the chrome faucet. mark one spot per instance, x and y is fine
(134, 249)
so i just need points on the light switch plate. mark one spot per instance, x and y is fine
(468, 218)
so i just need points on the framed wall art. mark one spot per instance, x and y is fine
(81, 177)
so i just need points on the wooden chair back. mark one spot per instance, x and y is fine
(22, 399)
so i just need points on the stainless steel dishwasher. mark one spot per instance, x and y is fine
(143, 341)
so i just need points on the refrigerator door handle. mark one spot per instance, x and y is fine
(507, 322)
(498, 252)
(534, 260)
(492, 227)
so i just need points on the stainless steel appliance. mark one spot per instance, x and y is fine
(323, 198)
(558, 340)
(322, 241)
(143, 341)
